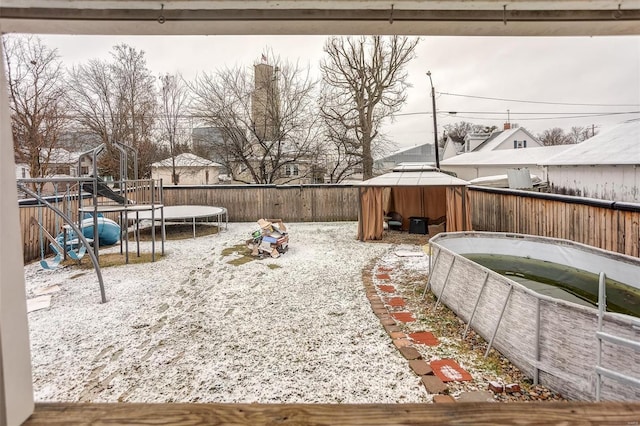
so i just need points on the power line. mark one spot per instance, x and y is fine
(553, 115)
(536, 102)
(546, 118)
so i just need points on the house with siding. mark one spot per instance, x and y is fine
(490, 154)
(606, 166)
(191, 170)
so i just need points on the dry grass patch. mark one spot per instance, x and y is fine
(107, 260)
(242, 253)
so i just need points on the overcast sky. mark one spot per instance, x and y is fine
(570, 70)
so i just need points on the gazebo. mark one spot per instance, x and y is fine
(412, 190)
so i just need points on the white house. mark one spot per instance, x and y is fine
(496, 153)
(23, 171)
(191, 170)
(510, 138)
(605, 166)
(490, 163)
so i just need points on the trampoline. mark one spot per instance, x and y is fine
(189, 213)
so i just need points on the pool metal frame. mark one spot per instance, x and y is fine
(547, 338)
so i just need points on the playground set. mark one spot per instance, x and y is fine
(80, 205)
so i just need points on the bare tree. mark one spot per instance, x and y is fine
(115, 100)
(460, 129)
(37, 100)
(555, 136)
(365, 83)
(342, 155)
(579, 134)
(175, 101)
(267, 117)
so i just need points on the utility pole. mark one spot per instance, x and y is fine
(435, 123)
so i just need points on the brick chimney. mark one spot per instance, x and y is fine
(507, 126)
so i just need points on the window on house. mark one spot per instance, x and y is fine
(24, 172)
(519, 144)
(291, 170)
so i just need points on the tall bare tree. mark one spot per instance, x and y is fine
(365, 81)
(115, 100)
(341, 152)
(37, 100)
(462, 128)
(175, 102)
(268, 118)
(554, 136)
(579, 134)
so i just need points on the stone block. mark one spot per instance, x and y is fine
(496, 387)
(410, 353)
(433, 385)
(512, 388)
(476, 396)
(420, 367)
(443, 399)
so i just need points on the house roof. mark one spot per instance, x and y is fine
(416, 150)
(187, 160)
(497, 138)
(414, 178)
(617, 145)
(506, 157)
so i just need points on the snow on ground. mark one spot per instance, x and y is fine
(193, 328)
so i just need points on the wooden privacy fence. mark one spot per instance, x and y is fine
(291, 203)
(605, 224)
(245, 203)
(608, 225)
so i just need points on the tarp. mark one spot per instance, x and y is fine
(403, 196)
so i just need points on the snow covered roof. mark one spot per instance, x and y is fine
(187, 160)
(506, 157)
(497, 138)
(617, 145)
(415, 178)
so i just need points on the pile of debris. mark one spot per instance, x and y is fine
(271, 239)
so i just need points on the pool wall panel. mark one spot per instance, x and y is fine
(562, 345)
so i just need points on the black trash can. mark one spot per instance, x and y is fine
(418, 225)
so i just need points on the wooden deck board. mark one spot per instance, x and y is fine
(612, 413)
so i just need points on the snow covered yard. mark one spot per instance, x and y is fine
(194, 328)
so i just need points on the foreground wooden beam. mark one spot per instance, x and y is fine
(611, 413)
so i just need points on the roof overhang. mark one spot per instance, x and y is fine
(408, 17)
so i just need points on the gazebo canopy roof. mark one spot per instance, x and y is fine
(414, 174)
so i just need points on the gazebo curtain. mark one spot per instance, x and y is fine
(458, 211)
(370, 217)
(427, 201)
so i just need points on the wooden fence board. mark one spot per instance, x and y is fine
(604, 227)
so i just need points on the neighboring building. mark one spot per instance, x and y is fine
(491, 163)
(516, 138)
(191, 170)
(23, 171)
(207, 140)
(61, 162)
(489, 154)
(606, 166)
(416, 154)
(453, 145)
(302, 171)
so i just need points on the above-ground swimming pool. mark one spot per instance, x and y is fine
(534, 303)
